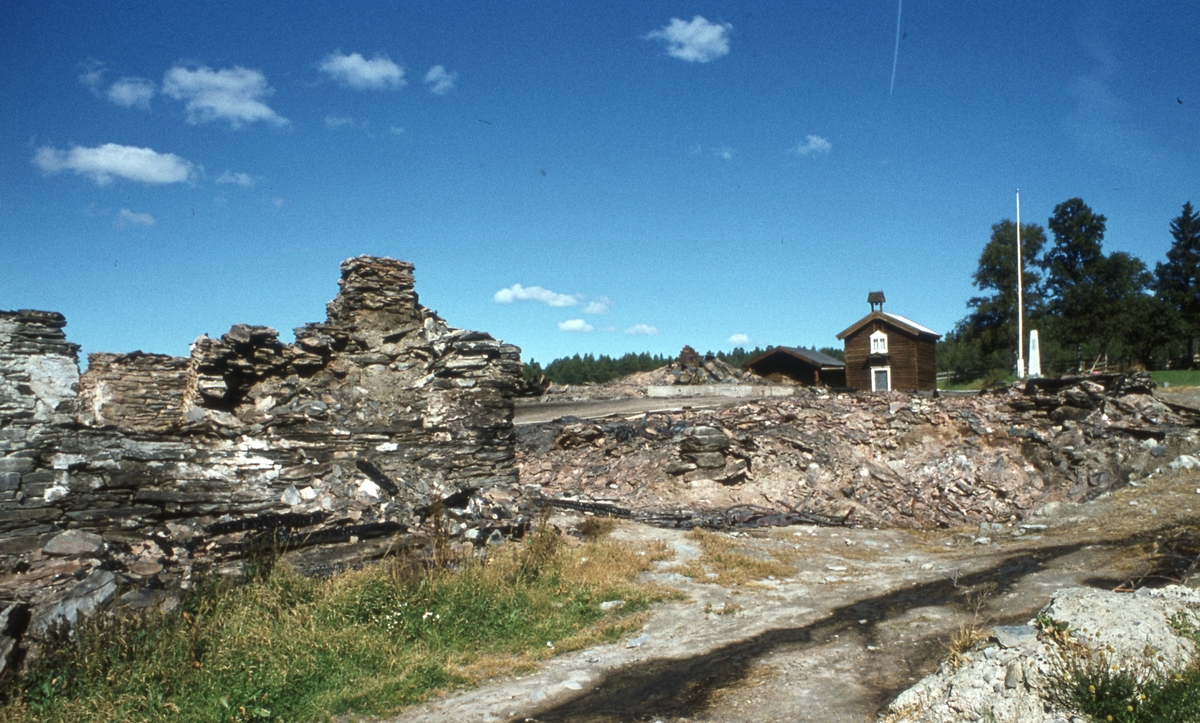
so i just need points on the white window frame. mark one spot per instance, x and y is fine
(889, 378)
(879, 343)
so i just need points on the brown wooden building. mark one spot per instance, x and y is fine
(889, 352)
(801, 366)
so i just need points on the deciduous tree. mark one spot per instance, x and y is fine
(992, 323)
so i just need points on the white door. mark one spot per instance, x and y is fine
(880, 379)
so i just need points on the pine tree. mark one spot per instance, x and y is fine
(1178, 280)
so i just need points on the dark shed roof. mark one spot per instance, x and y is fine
(815, 358)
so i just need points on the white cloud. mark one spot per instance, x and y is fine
(338, 121)
(92, 74)
(440, 80)
(738, 339)
(598, 306)
(698, 41)
(277, 202)
(642, 330)
(396, 130)
(361, 74)
(516, 292)
(723, 153)
(233, 94)
(132, 93)
(129, 218)
(813, 144)
(103, 163)
(575, 325)
(245, 180)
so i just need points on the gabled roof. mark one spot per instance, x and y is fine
(815, 358)
(895, 320)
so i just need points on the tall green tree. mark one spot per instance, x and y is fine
(1094, 299)
(992, 323)
(1078, 243)
(1118, 298)
(1071, 266)
(1178, 280)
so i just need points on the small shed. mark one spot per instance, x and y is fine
(887, 351)
(802, 366)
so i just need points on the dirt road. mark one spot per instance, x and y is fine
(866, 613)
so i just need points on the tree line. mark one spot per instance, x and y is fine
(1090, 308)
(600, 369)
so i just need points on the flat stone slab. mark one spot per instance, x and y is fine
(74, 542)
(1015, 636)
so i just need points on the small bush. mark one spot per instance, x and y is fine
(1093, 686)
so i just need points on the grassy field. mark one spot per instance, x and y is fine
(1177, 378)
(1170, 378)
(283, 647)
(976, 384)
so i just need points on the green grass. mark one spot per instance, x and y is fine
(1177, 377)
(985, 382)
(289, 648)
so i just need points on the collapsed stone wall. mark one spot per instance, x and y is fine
(249, 425)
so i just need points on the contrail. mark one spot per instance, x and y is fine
(896, 55)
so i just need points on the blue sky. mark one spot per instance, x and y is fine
(572, 177)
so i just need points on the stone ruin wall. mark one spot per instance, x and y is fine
(248, 425)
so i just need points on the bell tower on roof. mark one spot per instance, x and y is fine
(875, 299)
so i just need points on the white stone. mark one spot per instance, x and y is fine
(1184, 461)
(308, 494)
(368, 489)
(291, 496)
(66, 461)
(387, 447)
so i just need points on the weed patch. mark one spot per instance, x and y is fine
(1091, 683)
(1093, 686)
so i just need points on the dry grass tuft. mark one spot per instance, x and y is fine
(593, 528)
(725, 562)
(971, 631)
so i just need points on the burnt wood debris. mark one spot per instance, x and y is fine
(383, 428)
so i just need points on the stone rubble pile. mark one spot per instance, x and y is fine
(118, 485)
(874, 459)
(691, 368)
(1010, 677)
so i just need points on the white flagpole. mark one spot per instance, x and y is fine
(1020, 298)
